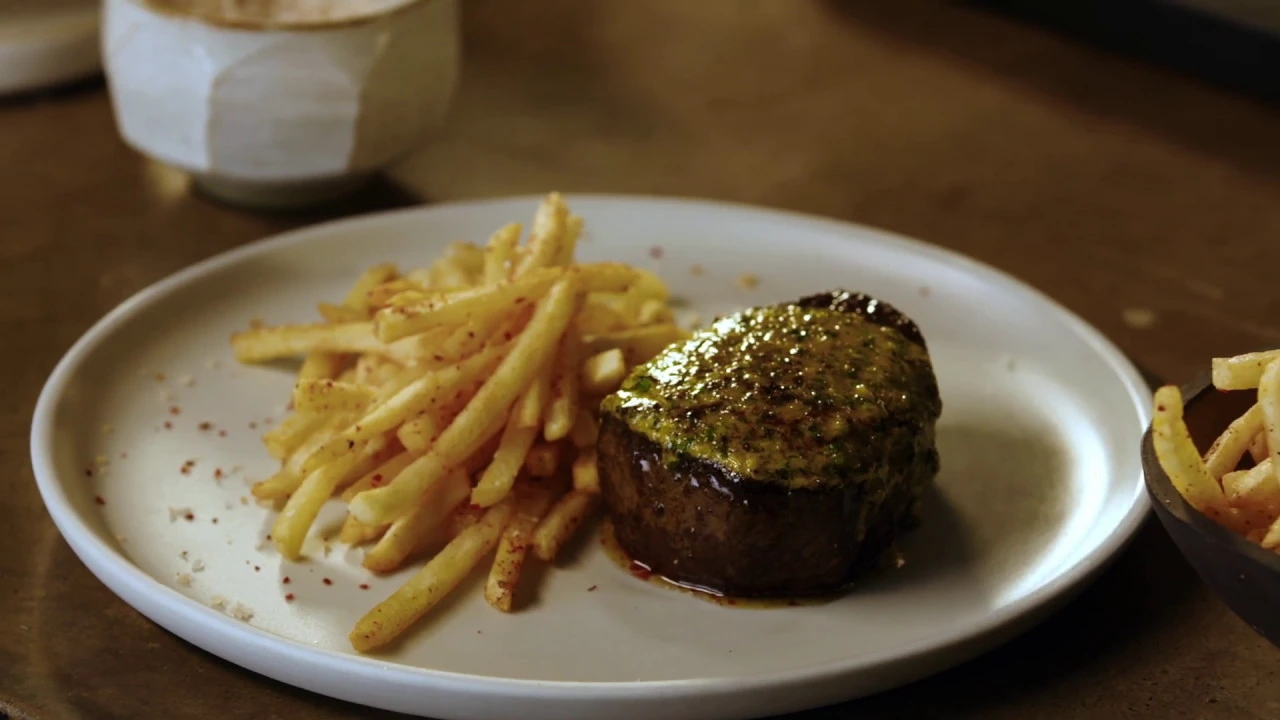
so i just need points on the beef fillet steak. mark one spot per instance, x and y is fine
(778, 453)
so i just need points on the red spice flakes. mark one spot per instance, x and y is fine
(697, 270)
(222, 433)
(168, 425)
(592, 588)
(925, 291)
(214, 521)
(655, 252)
(364, 586)
(268, 421)
(253, 425)
(376, 480)
(98, 499)
(175, 410)
(268, 536)
(88, 472)
(218, 474)
(124, 455)
(205, 426)
(286, 580)
(187, 467)
(159, 377)
(327, 581)
(256, 568)
(288, 597)
(190, 516)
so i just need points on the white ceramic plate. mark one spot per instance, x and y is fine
(1040, 481)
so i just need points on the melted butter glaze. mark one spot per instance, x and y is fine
(786, 394)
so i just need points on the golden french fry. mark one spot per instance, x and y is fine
(381, 294)
(380, 475)
(483, 417)
(1258, 449)
(653, 311)
(501, 473)
(391, 617)
(532, 404)
(1254, 491)
(329, 396)
(585, 429)
(563, 408)
(1180, 458)
(638, 345)
(321, 366)
(1225, 453)
(586, 477)
(602, 373)
(497, 254)
(289, 477)
(547, 236)
(418, 432)
(1242, 372)
(504, 574)
(393, 323)
(354, 532)
(293, 522)
(292, 431)
(341, 313)
(408, 531)
(358, 297)
(562, 521)
(601, 314)
(271, 343)
(572, 234)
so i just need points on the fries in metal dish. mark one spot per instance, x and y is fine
(452, 409)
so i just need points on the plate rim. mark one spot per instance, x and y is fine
(126, 580)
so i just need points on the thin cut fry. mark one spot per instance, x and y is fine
(409, 530)
(293, 522)
(358, 297)
(1178, 455)
(543, 460)
(1242, 372)
(321, 366)
(483, 416)
(498, 253)
(585, 429)
(328, 396)
(393, 323)
(507, 461)
(602, 373)
(561, 522)
(532, 404)
(271, 343)
(354, 532)
(341, 313)
(1225, 453)
(563, 408)
(438, 578)
(504, 574)
(284, 438)
(639, 345)
(1258, 449)
(585, 476)
(380, 475)
(548, 235)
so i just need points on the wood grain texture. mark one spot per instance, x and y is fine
(1139, 199)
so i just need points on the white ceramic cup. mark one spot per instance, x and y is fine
(282, 111)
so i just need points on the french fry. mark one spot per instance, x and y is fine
(572, 233)
(638, 345)
(429, 586)
(602, 373)
(354, 532)
(329, 396)
(272, 343)
(358, 297)
(418, 432)
(600, 315)
(501, 473)
(1180, 458)
(548, 235)
(292, 431)
(321, 366)
(289, 477)
(293, 522)
(1258, 449)
(341, 313)
(497, 254)
(653, 311)
(1242, 372)
(393, 323)
(408, 531)
(380, 295)
(380, 475)
(508, 562)
(482, 418)
(562, 521)
(532, 404)
(563, 408)
(1255, 492)
(1225, 453)
(586, 478)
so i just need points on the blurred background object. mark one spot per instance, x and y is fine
(47, 42)
(1232, 43)
(279, 109)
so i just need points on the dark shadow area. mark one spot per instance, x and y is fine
(74, 89)
(380, 194)
(1155, 100)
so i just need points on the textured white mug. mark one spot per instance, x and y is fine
(284, 110)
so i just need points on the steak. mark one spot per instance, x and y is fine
(778, 453)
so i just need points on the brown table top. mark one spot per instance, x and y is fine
(1141, 200)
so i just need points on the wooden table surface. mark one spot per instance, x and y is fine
(1140, 199)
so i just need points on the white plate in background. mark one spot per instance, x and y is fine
(1040, 485)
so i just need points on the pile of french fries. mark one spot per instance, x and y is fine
(1245, 501)
(453, 409)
